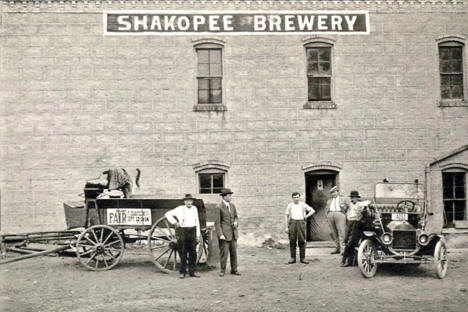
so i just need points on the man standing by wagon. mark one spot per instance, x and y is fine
(336, 216)
(297, 213)
(226, 230)
(185, 219)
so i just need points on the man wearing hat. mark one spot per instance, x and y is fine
(336, 216)
(226, 230)
(353, 232)
(185, 219)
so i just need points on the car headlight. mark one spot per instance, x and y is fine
(386, 238)
(423, 239)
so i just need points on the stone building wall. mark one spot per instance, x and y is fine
(75, 102)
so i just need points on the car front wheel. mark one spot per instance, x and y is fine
(440, 259)
(366, 258)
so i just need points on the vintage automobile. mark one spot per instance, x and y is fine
(394, 231)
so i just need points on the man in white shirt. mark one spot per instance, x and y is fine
(354, 230)
(336, 216)
(297, 213)
(185, 219)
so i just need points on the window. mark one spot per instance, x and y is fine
(454, 193)
(209, 74)
(211, 176)
(451, 70)
(211, 183)
(319, 73)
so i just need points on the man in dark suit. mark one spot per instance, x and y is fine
(226, 230)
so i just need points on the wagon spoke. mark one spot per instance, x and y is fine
(162, 254)
(97, 262)
(107, 238)
(102, 235)
(92, 257)
(168, 258)
(89, 240)
(87, 252)
(86, 246)
(175, 260)
(105, 262)
(95, 236)
(158, 247)
(110, 244)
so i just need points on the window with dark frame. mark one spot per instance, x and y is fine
(454, 194)
(209, 74)
(319, 72)
(451, 70)
(211, 183)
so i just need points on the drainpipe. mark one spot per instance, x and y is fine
(427, 199)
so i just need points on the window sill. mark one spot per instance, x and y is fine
(319, 105)
(209, 108)
(453, 103)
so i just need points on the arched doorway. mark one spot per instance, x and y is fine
(318, 184)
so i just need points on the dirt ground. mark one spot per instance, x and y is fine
(267, 284)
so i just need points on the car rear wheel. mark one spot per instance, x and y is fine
(440, 259)
(366, 258)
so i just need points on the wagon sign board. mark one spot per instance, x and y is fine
(124, 216)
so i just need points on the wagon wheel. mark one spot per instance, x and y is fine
(202, 248)
(99, 248)
(162, 244)
(366, 258)
(440, 259)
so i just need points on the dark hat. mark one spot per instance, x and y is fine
(354, 194)
(189, 196)
(225, 191)
(334, 189)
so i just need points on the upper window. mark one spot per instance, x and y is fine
(209, 73)
(319, 72)
(211, 176)
(454, 186)
(211, 183)
(451, 70)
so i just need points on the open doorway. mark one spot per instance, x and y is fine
(318, 184)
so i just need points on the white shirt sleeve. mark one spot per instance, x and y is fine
(308, 208)
(171, 214)
(288, 210)
(197, 222)
(364, 203)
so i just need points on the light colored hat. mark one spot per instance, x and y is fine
(334, 189)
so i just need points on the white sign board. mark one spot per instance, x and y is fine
(129, 216)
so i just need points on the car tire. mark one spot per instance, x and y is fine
(440, 259)
(366, 258)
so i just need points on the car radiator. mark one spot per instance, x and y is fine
(404, 240)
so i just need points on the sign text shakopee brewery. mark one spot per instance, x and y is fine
(189, 22)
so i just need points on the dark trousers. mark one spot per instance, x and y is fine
(187, 245)
(297, 234)
(353, 235)
(225, 248)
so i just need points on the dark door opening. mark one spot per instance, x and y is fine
(318, 184)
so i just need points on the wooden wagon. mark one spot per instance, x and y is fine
(99, 230)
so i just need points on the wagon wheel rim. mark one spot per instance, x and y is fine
(162, 246)
(99, 248)
(366, 259)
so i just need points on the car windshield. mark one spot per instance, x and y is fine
(411, 191)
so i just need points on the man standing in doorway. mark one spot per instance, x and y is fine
(185, 219)
(226, 230)
(297, 213)
(336, 216)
